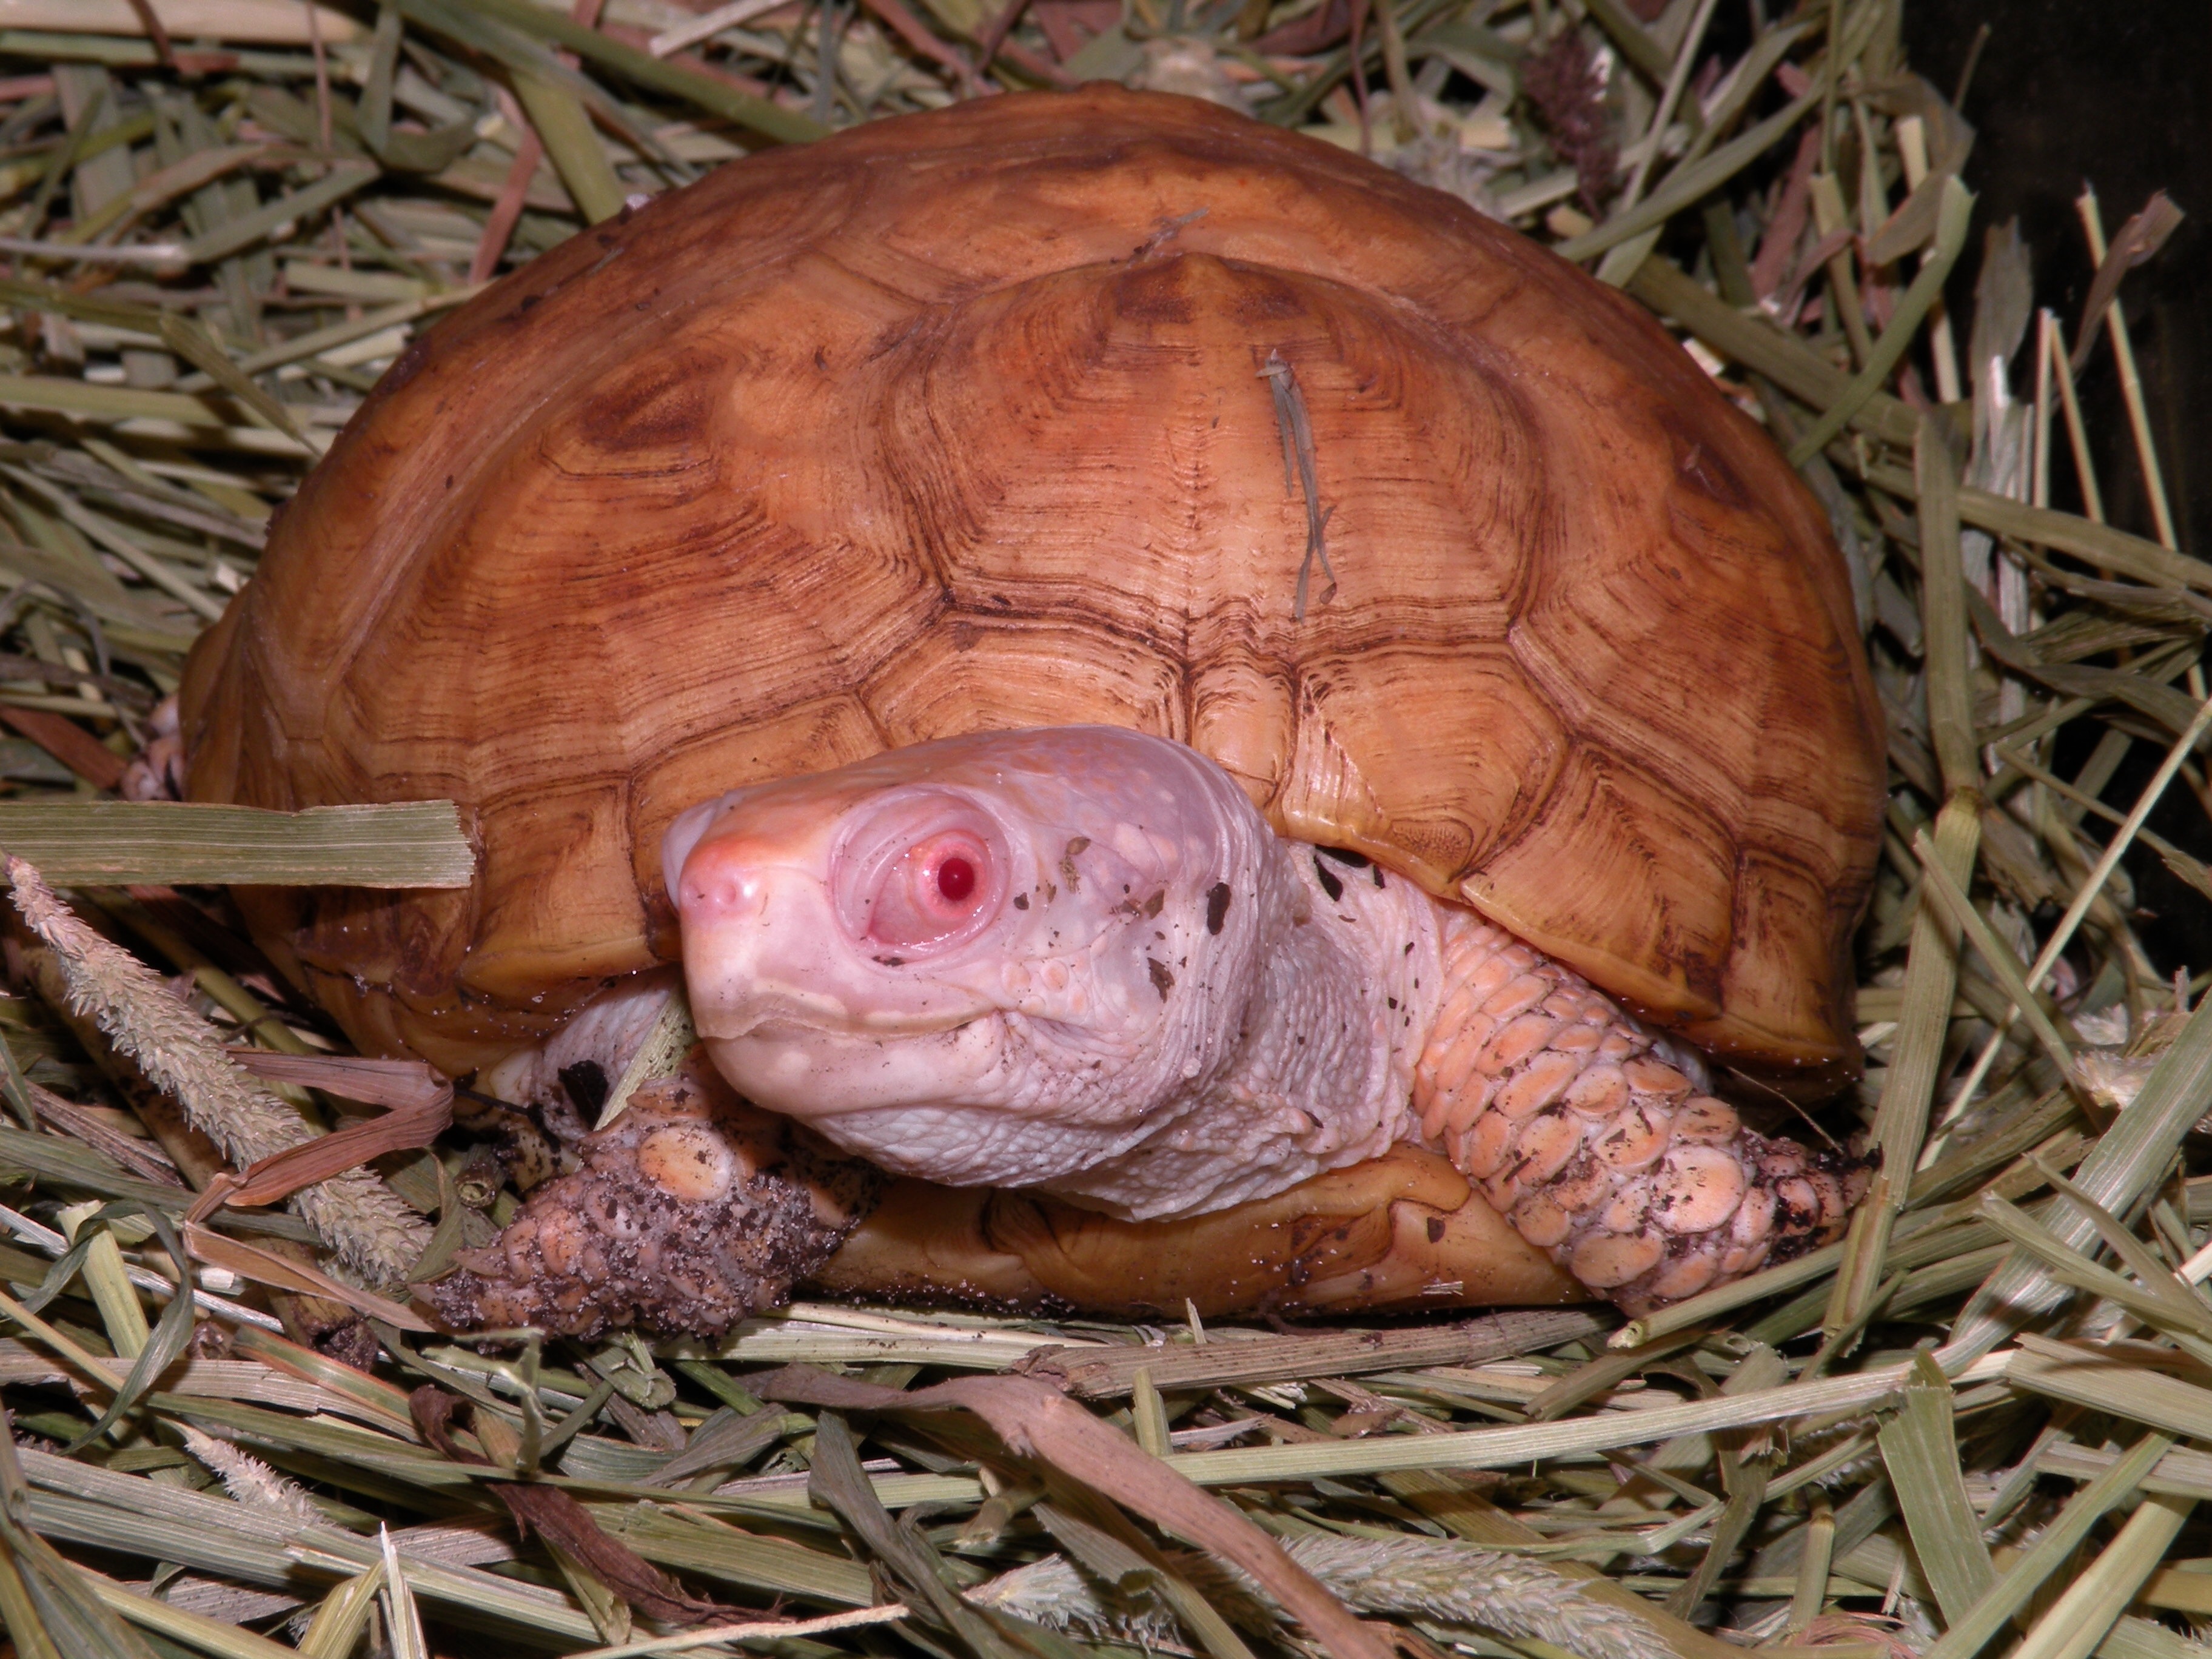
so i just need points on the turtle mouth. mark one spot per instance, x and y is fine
(788, 1026)
(815, 1069)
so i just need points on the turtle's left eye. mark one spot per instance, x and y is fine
(919, 871)
(933, 891)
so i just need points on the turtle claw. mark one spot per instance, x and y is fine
(691, 1210)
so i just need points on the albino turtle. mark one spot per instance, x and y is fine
(1145, 668)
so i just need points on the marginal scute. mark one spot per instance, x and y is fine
(1627, 880)
(547, 867)
(1783, 901)
(1442, 815)
(926, 428)
(1240, 714)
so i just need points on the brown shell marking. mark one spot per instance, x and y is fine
(933, 428)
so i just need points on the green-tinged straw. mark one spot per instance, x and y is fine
(1957, 207)
(90, 843)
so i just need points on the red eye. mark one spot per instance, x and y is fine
(933, 891)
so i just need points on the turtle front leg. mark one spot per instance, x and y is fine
(1598, 1143)
(691, 1210)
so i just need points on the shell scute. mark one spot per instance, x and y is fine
(1619, 863)
(981, 673)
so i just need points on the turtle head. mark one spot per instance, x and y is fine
(991, 959)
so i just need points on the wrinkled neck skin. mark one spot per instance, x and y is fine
(1075, 959)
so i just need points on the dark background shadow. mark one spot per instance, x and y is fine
(2116, 94)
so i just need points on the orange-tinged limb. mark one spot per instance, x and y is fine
(1576, 1123)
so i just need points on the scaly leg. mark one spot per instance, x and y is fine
(1581, 1127)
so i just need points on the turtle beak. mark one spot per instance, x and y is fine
(759, 943)
(794, 1011)
(763, 946)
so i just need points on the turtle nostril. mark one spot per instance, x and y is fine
(719, 886)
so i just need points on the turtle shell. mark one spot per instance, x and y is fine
(1006, 416)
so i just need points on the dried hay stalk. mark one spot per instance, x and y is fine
(358, 1216)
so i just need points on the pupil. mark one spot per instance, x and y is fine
(956, 878)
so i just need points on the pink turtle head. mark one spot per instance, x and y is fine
(985, 959)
